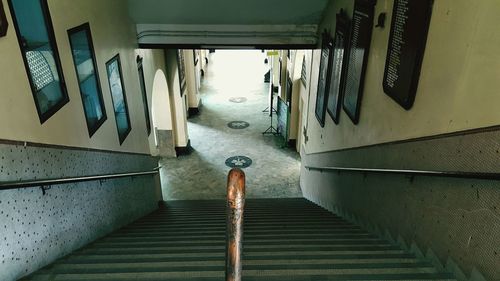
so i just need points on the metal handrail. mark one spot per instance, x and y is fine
(234, 224)
(49, 182)
(449, 174)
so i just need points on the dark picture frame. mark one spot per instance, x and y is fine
(4, 24)
(405, 52)
(359, 47)
(142, 84)
(195, 57)
(119, 97)
(26, 47)
(303, 72)
(289, 90)
(338, 64)
(182, 70)
(323, 78)
(87, 74)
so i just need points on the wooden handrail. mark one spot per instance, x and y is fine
(234, 224)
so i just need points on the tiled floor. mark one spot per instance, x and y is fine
(202, 174)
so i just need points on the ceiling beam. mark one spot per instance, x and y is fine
(227, 35)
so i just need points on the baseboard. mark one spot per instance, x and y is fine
(193, 111)
(184, 150)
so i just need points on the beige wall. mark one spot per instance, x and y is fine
(294, 66)
(304, 99)
(191, 79)
(458, 87)
(157, 92)
(112, 33)
(178, 103)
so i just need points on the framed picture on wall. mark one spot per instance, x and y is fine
(4, 25)
(323, 78)
(196, 57)
(405, 52)
(84, 60)
(37, 43)
(182, 70)
(359, 47)
(114, 69)
(337, 75)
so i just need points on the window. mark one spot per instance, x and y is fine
(140, 69)
(38, 47)
(82, 49)
(114, 70)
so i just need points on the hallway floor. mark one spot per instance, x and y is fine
(274, 172)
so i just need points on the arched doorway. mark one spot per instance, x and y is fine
(164, 144)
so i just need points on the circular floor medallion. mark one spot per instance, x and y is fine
(238, 162)
(238, 125)
(238, 99)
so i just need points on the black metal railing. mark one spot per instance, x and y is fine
(45, 184)
(430, 173)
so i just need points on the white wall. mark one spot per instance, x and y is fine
(304, 100)
(191, 83)
(458, 87)
(157, 92)
(294, 66)
(112, 33)
(178, 103)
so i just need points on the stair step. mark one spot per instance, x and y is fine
(209, 249)
(284, 240)
(344, 268)
(76, 259)
(247, 243)
(246, 237)
(255, 276)
(174, 232)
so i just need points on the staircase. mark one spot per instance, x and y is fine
(284, 240)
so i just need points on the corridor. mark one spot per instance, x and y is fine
(119, 125)
(274, 172)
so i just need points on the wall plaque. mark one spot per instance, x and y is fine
(337, 74)
(409, 28)
(324, 78)
(359, 46)
(4, 25)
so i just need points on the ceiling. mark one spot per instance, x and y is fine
(233, 12)
(226, 22)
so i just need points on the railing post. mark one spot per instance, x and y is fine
(234, 224)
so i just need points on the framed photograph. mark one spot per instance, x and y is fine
(337, 74)
(405, 52)
(4, 25)
(324, 78)
(114, 70)
(303, 73)
(182, 70)
(359, 47)
(142, 83)
(38, 46)
(82, 49)
(196, 57)
(289, 90)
